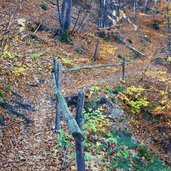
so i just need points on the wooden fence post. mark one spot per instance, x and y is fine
(57, 69)
(123, 70)
(79, 146)
(96, 49)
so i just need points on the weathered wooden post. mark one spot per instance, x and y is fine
(96, 48)
(79, 146)
(70, 120)
(57, 70)
(123, 70)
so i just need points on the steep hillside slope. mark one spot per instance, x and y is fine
(26, 65)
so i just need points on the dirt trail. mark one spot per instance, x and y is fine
(40, 143)
(37, 143)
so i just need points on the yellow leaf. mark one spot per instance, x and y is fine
(16, 37)
(6, 47)
(143, 14)
(21, 29)
(98, 144)
(7, 54)
(18, 70)
(21, 22)
(169, 59)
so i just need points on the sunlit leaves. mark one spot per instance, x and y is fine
(36, 55)
(134, 98)
(106, 49)
(134, 91)
(169, 59)
(136, 105)
(117, 18)
(18, 70)
(6, 52)
(95, 121)
(22, 23)
(63, 139)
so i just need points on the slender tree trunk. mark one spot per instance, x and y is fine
(78, 16)
(168, 16)
(145, 6)
(131, 3)
(100, 14)
(139, 3)
(82, 21)
(105, 18)
(118, 8)
(135, 9)
(169, 27)
(59, 12)
(63, 15)
(68, 16)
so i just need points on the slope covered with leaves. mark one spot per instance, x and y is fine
(25, 76)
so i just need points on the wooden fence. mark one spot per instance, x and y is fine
(74, 124)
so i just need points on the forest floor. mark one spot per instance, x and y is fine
(26, 65)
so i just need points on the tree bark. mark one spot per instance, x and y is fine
(68, 16)
(168, 16)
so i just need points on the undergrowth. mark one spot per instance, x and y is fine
(112, 148)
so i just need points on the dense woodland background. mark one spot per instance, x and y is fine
(118, 52)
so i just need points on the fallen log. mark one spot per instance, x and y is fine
(121, 39)
(71, 122)
(94, 67)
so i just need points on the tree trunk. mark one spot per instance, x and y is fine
(68, 16)
(63, 15)
(168, 16)
(118, 8)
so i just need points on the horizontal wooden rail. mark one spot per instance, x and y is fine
(94, 67)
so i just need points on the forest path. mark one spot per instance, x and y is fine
(40, 142)
(33, 149)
